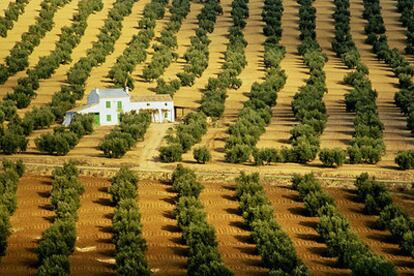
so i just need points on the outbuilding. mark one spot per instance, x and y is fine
(108, 104)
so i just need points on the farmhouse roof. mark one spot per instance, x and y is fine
(152, 98)
(111, 93)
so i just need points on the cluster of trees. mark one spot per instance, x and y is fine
(214, 94)
(68, 40)
(131, 129)
(130, 246)
(11, 14)
(201, 154)
(367, 145)
(274, 246)
(198, 235)
(135, 53)
(406, 8)
(58, 241)
(63, 139)
(334, 157)
(307, 105)
(405, 159)
(188, 133)
(69, 93)
(334, 229)
(164, 52)
(12, 137)
(256, 113)
(196, 56)
(18, 59)
(378, 201)
(8, 187)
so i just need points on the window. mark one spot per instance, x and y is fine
(166, 115)
(108, 104)
(165, 104)
(119, 105)
(108, 118)
(148, 104)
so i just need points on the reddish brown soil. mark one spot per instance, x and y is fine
(290, 214)
(166, 254)
(94, 249)
(235, 246)
(31, 218)
(363, 225)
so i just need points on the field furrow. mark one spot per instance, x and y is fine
(379, 241)
(339, 128)
(290, 214)
(189, 97)
(141, 86)
(21, 26)
(3, 6)
(395, 31)
(238, 253)
(48, 87)
(165, 254)
(190, 24)
(31, 218)
(254, 71)
(62, 18)
(94, 249)
(396, 135)
(277, 133)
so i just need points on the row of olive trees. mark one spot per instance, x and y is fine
(135, 53)
(274, 246)
(11, 14)
(164, 51)
(378, 201)
(214, 94)
(73, 90)
(198, 235)
(196, 56)
(18, 59)
(336, 232)
(58, 241)
(63, 139)
(367, 145)
(406, 8)
(69, 38)
(130, 246)
(131, 129)
(307, 104)
(375, 31)
(256, 113)
(8, 203)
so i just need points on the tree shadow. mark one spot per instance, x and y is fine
(301, 211)
(171, 228)
(103, 201)
(233, 211)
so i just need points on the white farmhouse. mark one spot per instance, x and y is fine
(108, 104)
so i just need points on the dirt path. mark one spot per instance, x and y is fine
(146, 151)
(50, 86)
(395, 30)
(165, 255)
(233, 239)
(62, 19)
(141, 86)
(339, 128)
(278, 131)
(254, 71)
(364, 226)
(187, 30)
(28, 222)
(94, 249)
(21, 26)
(290, 214)
(396, 135)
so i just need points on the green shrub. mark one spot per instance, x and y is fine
(332, 157)
(202, 154)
